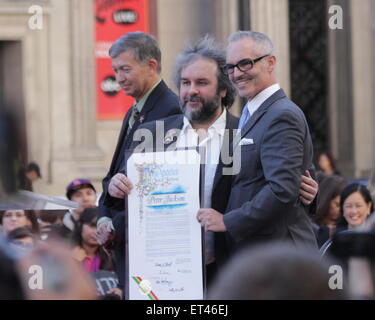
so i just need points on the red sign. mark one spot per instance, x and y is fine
(113, 19)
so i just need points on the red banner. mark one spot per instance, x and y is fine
(114, 18)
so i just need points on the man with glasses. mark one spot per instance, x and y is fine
(275, 149)
(205, 95)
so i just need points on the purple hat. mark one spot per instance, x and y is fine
(78, 184)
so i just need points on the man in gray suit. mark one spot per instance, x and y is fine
(275, 150)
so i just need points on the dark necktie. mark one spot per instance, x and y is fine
(133, 118)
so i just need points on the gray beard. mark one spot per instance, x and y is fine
(205, 114)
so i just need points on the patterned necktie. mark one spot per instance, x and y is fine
(133, 117)
(244, 117)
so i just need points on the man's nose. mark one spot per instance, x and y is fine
(193, 89)
(120, 76)
(85, 198)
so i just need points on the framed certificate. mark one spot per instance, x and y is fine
(164, 239)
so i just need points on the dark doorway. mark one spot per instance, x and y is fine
(11, 95)
(308, 60)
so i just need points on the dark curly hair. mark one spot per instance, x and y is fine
(206, 48)
(88, 217)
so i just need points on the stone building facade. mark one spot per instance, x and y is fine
(47, 75)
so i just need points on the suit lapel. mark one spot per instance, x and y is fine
(151, 102)
(259, 113)
(171, 130)
(231, 124)
(120, 146)
(147, 107)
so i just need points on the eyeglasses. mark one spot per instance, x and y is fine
(242, 65)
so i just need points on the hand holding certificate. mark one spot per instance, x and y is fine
(164, 237)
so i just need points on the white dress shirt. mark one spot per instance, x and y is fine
(212, 143)
(254, 104)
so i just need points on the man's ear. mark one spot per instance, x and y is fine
(153, 64)
(271, 63)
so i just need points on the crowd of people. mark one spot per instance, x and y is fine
(264, 224)
(75, 229)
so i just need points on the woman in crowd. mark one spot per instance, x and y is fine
(328, 207)
(326, 164)
(87, 249)
(13, 219)
(356, 205)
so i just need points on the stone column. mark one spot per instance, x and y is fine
(226, 21)
(83, 79)
(181, 22)
(74, 150)
(87, 156)
(363, 37)
(340, 98)
(272, 18)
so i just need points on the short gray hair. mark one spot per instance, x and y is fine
(206, 48)
(144, 47)
(263, 44)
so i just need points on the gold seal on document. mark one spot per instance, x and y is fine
(145, 287)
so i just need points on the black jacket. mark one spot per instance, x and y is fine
(162, 102)
(221, 186)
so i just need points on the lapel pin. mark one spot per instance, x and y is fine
(169, 136)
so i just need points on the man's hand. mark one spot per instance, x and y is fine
(117, 291)
(120, 186)
(211, 220)
(308, 189)
(104, 233)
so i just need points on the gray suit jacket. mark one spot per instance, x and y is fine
(264, 200)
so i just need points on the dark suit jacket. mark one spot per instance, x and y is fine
(221, 185)
(162, 102)
(264, 199)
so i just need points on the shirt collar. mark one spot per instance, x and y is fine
(139, 104)
(262, 96)
(218, 125)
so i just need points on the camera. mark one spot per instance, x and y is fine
(353, 244)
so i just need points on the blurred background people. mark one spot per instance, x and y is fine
(50, 222)
(22, 236)
(34, 176)
(10, 281)
(275, 271)
(66, 279)
(83, 192)
(355, 251)
(356, 205)
(328, 207)
(29, 177)
(326, 165)
(87, 249)
(12, 219)
(90, 254)
(22, 240)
